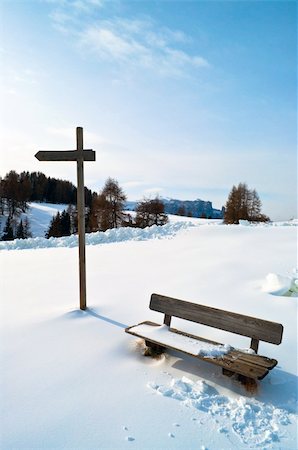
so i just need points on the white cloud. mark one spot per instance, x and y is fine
(82, 5)
(138, 43)
(86, 5)
(69, 15)
(108, 44)
(130, 43)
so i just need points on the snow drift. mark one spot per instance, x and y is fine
(99, 237)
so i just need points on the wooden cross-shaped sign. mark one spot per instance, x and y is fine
(79, 155)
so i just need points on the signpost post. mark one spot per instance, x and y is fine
(79, 155)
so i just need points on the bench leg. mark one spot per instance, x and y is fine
(227, 373)
(153, 349)
(250, 384)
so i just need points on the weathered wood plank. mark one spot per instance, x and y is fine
(242, 368)
(234, 353)
(237, 365)
(64, 155)
(224, 320)
(268, 363)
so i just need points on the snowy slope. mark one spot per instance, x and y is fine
(39, 215)
(75, 380)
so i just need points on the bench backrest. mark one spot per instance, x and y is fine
(252, 327)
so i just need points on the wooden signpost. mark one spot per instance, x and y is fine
(79, 155)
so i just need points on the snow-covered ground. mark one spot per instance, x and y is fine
(75, 380)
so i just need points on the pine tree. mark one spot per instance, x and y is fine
(27, 228)
(54, 229)
(59, 225)
(8, 234)
(65, 223)
(20, 231)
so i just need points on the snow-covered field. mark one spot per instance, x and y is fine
(75, 380)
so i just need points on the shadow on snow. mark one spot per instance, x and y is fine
(78, 313)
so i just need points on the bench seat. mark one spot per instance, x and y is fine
(230, 359)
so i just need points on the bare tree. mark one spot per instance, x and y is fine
(243, 204)
(150, 212)
(107, 208)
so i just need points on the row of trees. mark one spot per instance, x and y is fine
(16, 190)
(104, 210)
(16, 229)
(107, 211)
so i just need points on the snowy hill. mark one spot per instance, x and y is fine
(75, 380)
(39, 215)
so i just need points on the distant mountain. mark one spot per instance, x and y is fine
(190, 208)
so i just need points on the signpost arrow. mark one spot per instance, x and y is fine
(64, 155)
(79, 155)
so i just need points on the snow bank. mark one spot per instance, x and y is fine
(100, 237)
(277, 284)
(256, 424)
(184, 343)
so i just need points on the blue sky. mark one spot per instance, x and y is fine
(179, 98)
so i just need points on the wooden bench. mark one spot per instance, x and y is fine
(247, 364)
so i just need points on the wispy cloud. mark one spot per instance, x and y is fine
(86, 5)
(76, 4)
(68, 15)
(138, 43)
(133, 43)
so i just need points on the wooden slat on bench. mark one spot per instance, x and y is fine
(234, 354)
(227, 361)
(224, 320)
